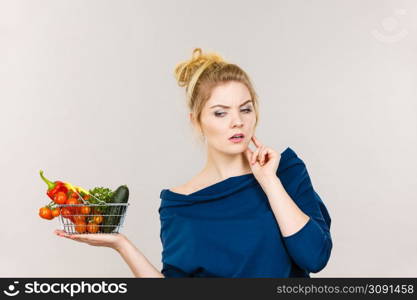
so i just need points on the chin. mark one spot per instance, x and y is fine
(235, 149)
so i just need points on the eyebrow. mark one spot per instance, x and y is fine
(224, 106)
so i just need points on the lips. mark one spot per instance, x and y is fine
(241, 135)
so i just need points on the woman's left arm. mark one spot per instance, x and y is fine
(289, 216)
(302, 218)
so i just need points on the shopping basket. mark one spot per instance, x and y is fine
(88, 218)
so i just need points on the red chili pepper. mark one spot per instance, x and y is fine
(54, 187)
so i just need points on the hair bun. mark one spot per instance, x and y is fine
(185, 70)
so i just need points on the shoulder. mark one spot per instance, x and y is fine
(188, 187)
(290, 166)
(181, 189)
(289, 158)
(293, 172)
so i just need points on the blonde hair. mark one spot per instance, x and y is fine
(202, 73)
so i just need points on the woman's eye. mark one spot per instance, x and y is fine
(221, 114)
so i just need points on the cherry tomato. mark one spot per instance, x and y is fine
(86, 197)
(45, 213)
(74, 195)
(66, 213)
(92, 227)
(72, 201)
(74, 209)
(60, 198)
(98, 219)
(78, 219)
(85, 210)
(55, 212)
(80, 227)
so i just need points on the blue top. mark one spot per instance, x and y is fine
(228, 229)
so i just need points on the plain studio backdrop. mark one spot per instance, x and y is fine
(88, 95)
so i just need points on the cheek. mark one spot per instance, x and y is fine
(252, 121)
(216, 131)
(252, 117)
(214, 128)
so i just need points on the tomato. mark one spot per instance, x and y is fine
(74, 195)
(73, 201)
(66, 212)
(55, 212)
(60, 198)
(92, 227)
(78, 219)
(98, 219)
(45, 213)
(86, 197)
(85, 210)
(80, 227)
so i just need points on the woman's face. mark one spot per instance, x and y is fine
(228, 111)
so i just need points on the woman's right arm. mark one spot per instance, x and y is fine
(136, 261)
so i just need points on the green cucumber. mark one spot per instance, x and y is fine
(120, 195)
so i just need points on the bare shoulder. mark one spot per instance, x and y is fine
(181, 189)
(189, 187)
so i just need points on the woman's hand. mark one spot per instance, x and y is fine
(111, 240)
(137, 262)
(263, 161)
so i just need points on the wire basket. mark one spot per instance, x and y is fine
(88, 218)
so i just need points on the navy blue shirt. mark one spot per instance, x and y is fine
(228, 229)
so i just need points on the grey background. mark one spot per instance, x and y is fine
(88, 95)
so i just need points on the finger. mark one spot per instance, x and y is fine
(248, 154)
(255, 155)
(249, 146)
(268, 154)
(60, 233)
(256, 141)
(261, 154)
(252, 158)
(251, 140)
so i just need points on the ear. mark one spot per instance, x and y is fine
(195, 124)
(192, 119)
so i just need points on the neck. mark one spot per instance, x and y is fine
(221, 165)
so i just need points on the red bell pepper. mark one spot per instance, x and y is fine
(54, 187)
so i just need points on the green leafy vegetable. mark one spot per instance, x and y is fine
(100, 195)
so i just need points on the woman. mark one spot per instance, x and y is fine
(247, 213)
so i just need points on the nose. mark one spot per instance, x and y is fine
(237, 121)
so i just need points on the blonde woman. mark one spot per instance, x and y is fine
(246, 213)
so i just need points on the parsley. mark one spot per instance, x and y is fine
(100, 195)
